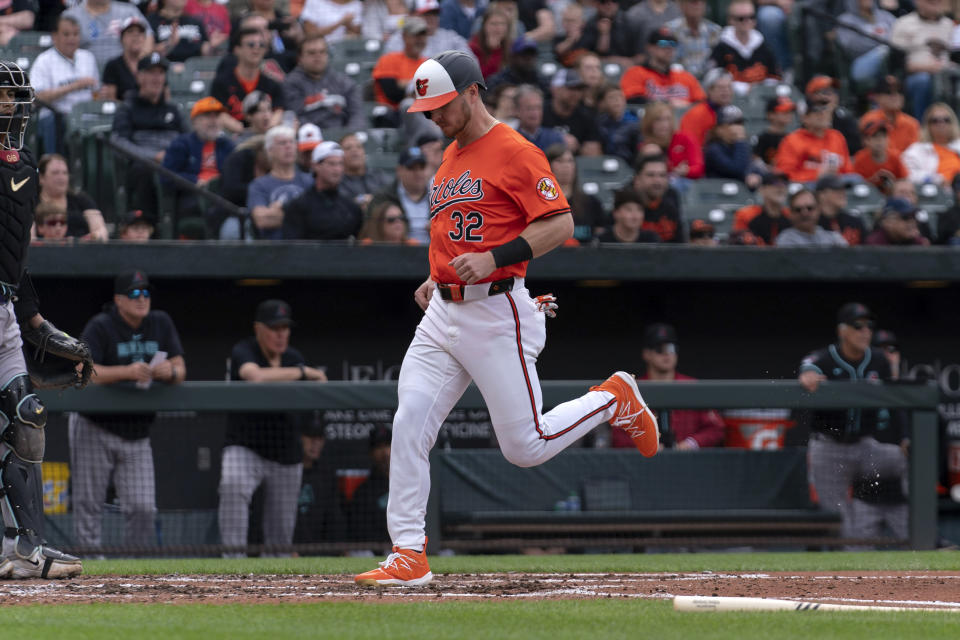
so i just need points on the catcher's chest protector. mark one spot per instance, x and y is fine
(19, 189)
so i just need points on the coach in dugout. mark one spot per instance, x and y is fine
(843, 446)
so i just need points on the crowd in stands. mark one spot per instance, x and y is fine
(308, 148)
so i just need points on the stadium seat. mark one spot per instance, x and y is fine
(707, 195)
(30, 42)
(201, 68)
(356, 49)
(865, 199)
(611, 172)
(24, 60)
(385, 160)
(374, 111)
(383, 140)
(932, 198)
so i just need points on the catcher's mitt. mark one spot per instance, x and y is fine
(52, 357)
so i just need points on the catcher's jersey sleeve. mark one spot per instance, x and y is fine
(486, 194)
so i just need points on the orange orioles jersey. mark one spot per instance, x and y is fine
(486, 194)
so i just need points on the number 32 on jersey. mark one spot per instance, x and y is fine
(467, 227)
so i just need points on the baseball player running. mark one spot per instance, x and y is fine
(22, 415)
(494, 205)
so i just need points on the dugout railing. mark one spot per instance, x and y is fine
(203, 398)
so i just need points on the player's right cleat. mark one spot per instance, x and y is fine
(6, 568)
(41, 562)
(633, 415)
(404, 567)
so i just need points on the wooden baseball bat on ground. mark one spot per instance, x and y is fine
(720, 603)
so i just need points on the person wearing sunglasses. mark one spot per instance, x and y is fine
(806, 230)
(134, 347)
(232, 84)
(51, 222)
(742, 49)
(681, 429)
(843, 446)
(657, 80)
(935, 158)
(897, 226)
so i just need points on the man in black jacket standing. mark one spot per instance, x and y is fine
(322, 212)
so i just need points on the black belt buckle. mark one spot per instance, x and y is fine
(501, 286)
(451, 292)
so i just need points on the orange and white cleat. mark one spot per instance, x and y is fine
(633, 415)
(404, 567)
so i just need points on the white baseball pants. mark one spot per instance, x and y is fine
(494, 341)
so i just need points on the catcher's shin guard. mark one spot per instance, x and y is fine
(23, 419)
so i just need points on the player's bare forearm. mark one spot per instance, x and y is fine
(547, 234)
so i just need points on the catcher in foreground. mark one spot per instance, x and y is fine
(56, 359)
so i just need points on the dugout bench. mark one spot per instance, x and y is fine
(711, 497)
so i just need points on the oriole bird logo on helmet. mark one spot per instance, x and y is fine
(422, 86)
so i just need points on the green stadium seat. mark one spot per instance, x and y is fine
(382, 140)
(374, 110)
(23, 59)
(384, 160)
(933, 198)
(30, 42)
(201, 68)
(865, 199)
(611, 172)
(707, 195)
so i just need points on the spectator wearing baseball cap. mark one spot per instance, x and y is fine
(888, 98)
(701, 117)
(823, 89)
(696, 36)
(439, 39)
(702, 233)
(897, 225)
(887, 342)
(522, 68)
(781, 111)
(264, 447)
(119, 74)
(394, 71)
(145, 124)
(685, 429)
(742, 49)
(869, 56)
(135, 226)
(649, 16)
(308, 137)
(199, 156)
(322, 212)
(814, 149)
(831, 191)
(877, 162)
(565, 110)
(657, 80)
(627, 224)
(934, 158)
(767, 219)
(727, 154)
(410, 191)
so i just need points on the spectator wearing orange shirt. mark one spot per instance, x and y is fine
(904, 129)
(232, 84)
(934, 158)
(393, 71)
(199, 156)
(657, 80)
(702, 117)
(878, 163)
(815, 149)
(742, 50)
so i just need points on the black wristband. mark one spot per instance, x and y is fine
(517, 250)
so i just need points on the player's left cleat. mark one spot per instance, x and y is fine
(633, 415)
(6, 568)
(41, 562)
(404, 567)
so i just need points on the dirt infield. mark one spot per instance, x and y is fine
(927, 589)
